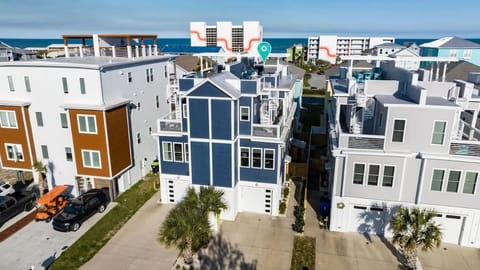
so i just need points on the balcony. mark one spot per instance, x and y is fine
(266, 131)
(361, 141)
(465, 148)
(169, 123)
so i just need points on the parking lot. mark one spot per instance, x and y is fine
(37, 244)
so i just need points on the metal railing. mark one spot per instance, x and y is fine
(465, 148)
(267, 131)
(169, 123)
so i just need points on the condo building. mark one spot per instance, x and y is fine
(87, 116)
(230, 130)
(402, 139)
(329, 47)
(232, 38)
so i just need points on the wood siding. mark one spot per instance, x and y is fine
(16, 136)
(118, 139)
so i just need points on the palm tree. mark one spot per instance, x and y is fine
(186, 226)
(42, 170)
(415, 229)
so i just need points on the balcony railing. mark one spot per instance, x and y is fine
(361, 141)
(169, 123)
(267, 131)
(465, 148)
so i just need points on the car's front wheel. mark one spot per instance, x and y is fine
(101, 208)
(75, 227)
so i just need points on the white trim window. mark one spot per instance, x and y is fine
(438, 135)
(470, 182)
(83, 90)
(185, 110)
(358, 173)
(388, 176)
(68, 154)
(63, 120)
(129, 77)
(149, 74)
(10, 83)
(373, 174)
(39, 117)
(398, 130)
(44, 151)
(8, 119)
(245, 157)
(178, 152)
(91, 159)
(187, 152)
(453, 180)
(244, 113)
(467, 53)
(14, 152)
(269, 159)
(87, 123)
(453, 53)
(27, 84)
(65, 85)
(257, 158)
(167, 151)
(438, 176)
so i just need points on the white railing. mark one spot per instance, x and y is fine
(169, 123)
(266, 131)
(465, 148)
(361, 141)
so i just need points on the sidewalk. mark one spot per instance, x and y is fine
(135, 246)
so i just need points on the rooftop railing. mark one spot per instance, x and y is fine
(169, 123)
(465, 148)
(266, 131)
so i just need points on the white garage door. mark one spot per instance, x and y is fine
(451, 227)
(257, 200)
(364, 219)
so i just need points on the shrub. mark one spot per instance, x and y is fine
(285, 192)
(283, 207)
(303, 255)
(299, 212)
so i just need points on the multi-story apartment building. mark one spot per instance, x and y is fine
(88, 118)
(404, 141)
(329, 47)
(232, 38)
(230, 130)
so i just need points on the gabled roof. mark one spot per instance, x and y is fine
(451, 42)
(4, 45)
(405, 52)
(389, 45)
(459, 70)
(218, 81)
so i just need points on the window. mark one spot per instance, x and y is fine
(178, 149)
(388, 175)
(437, 180)
(398, 130)
(244, 157)
(138, 107)
(453, 181)
(245, 113)
(44, 152)
(167, 151)
(91, 159)
(149, 74)
(165, 70)
(470, 182)
(39, 117)
(8, 119)
(467, 54)
(157, 102)
(27, 84)
(87, 124)
(358, 173)
(453, 53)
(149, 130)
(185, 110)
(82, 86)
(373, 173)
(68, 154)
(63, 120)
(65, 85)
(256, 158)
(129, 76)
(139, 139)
(10, 83)
(14, 152)
(438, 132)
(269, 159)
(187, 154)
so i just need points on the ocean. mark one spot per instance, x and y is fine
(279, 45)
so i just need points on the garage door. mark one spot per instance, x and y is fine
(365, 219)
(257, 200)
(452, 226)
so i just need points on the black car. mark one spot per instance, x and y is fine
(80, 209)
(12, 205)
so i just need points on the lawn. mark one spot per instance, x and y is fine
(303, 256)
(94, 239)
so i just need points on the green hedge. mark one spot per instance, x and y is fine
(94, 239)
(303, 253)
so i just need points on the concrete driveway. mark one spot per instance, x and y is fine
(37, 244)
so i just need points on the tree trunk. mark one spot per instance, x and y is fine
(41, 184)
(411, 260)
(188, 253)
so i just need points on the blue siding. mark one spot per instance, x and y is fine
(221, 119)
(235, 156)
(260, 175)
(171, 167)
(222, 164)
(185, 84)
(245, 126)
(271, 80)
(200, 159)
(237, 69)
(248, 86)
(208, 90)
(198, 113)
(235, 119)
(184, 120)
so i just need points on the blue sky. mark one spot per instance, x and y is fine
(280, 18)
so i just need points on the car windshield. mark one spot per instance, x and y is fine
(72, 208)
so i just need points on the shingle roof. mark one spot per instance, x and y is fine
(451, 42)
(220, 79)
(389, 45)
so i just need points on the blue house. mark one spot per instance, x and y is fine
(452, 47)
(230, 130)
